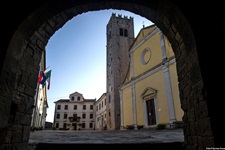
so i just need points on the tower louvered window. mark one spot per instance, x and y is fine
(123, 32)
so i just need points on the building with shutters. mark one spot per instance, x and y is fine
(100, 113)
(75, 113)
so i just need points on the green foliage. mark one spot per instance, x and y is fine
(129, 127)
(140, 127)
(160, 126)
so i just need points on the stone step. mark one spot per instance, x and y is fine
(139, 146)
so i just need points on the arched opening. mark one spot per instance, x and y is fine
(77, 62)
(24, 54)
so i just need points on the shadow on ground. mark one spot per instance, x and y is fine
(150, 146)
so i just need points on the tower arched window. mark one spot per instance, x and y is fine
(121, 32)
(125, 33)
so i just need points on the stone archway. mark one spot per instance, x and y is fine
(24, 54)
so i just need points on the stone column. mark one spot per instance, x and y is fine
(134, 106)
(162, 44)
(131, 64)
(169, 94)
(121, 110)
(167, 80)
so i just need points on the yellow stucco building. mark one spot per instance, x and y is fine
(149, 95)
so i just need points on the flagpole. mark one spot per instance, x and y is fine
(47, 68)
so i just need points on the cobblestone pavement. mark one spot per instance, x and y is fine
(107, 137)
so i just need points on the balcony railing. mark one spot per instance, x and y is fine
(74, 119)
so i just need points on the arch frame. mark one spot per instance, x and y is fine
(29, 40)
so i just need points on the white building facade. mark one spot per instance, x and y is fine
(75, 113)
(40, 105)
(100, 113)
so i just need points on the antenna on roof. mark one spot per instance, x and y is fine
(143, 24)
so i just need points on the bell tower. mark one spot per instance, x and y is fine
(120, 37)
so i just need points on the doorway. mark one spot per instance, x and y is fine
(151, 112)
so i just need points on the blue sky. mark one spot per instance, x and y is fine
(76, 54)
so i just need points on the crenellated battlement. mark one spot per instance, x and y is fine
(119, 16)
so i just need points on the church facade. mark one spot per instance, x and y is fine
(149, 95)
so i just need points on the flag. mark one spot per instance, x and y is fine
(45, 76)
(48, 77)
(40, 78)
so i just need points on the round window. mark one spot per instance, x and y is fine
(145, 56)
